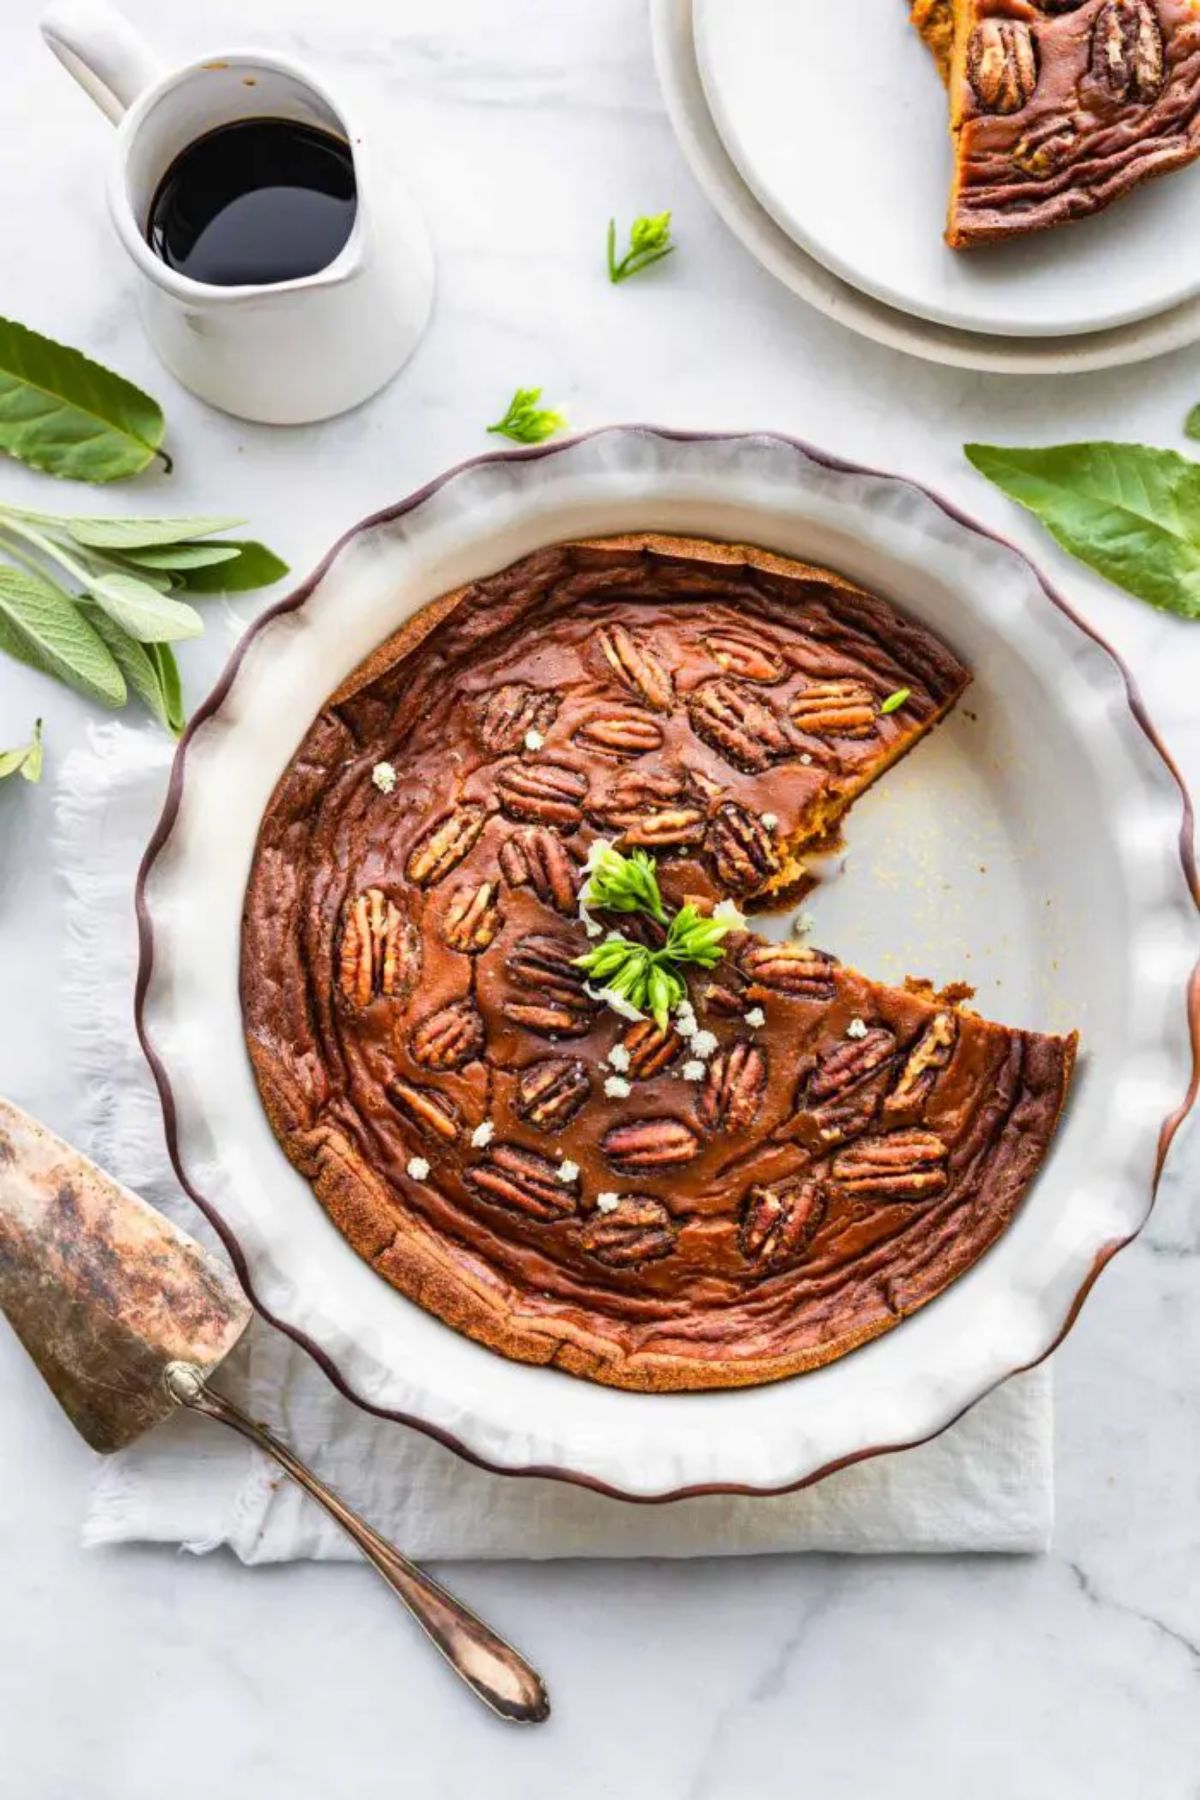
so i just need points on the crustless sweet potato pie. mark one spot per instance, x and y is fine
(800, 1157)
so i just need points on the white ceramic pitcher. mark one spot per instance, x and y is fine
(283, 353)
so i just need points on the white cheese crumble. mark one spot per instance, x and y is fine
(483, 1134)
(567, 1171)
(618, 1056)
(617, 1088)
(384, 777)
(693, 1070)
(607, 1202)
(685, 1019)
(755, 1017)
(625, 1009)
(533, 739)
(805, 757)
(770, 820)
(802, 924)
(729, 910)
(857, 1028)
(418, 1168)
(704, 1043)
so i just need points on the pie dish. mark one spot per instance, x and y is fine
(748, 1188)
(1065, 901)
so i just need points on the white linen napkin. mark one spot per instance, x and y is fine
(984, 1485)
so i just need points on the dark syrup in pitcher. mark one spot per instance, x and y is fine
(261, 200)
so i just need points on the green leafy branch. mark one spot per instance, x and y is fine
(649, 242)
(527, 423)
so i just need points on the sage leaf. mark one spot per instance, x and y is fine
(169, 686)
(1129, 511)
(182, 556)
(67, 415)
(41, 626)
(142, 668)
(137, 534)
(144, 613)
(255, 566)
(27, 760)
(1191, 425)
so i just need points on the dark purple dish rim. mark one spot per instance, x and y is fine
(296, 599)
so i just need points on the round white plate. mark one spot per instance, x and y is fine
(836, 118)
(1031, 845)
(687, 108)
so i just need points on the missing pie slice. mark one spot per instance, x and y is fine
(1060, 107)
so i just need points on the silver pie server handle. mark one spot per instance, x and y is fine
(495, 1671)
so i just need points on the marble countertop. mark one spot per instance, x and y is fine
(126, 1675)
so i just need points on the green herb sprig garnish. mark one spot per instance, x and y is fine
(27, 760)
(526, 422)
(632, 974)
(649, 242)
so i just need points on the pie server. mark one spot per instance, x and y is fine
(127, 1317)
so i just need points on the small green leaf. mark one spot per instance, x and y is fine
(649, 242)
(254, 566)
(1129, 511)
(142, 611)
(141, 667)
(182, 556)
(895, 701)
(136, 534)
(170, 686)
(525, 422)
(42, 626)
(67, 415)
(1191, 425)
(26, 761)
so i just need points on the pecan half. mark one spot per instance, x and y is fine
(432, 1113)
(504, 716)
(927, 1058)
(734, 1086)
(844, 1065)
(550, 1093)
(448, 1038)
(897, 1165)
(544, 793)
(380, 953)
(525, 1181)
(795, 969)
(1042, 152)
(545, 965)
(742, 848)
(444, 845)
(646, 1145)
(753, 659)
(780, 1220)
(472, 919)
(652, 807)
(736, 723)
(1002, 64)
(844, 709)
(1128, 54)
(651, 1048)
(638, 1230)
(537, 858)
(637, 667)
(620, 732)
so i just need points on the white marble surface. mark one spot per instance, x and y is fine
(129, 1674)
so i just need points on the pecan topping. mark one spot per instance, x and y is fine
(645, 1145)
(847, 1116)
(1042, 152)
(779, 1221)
(638, 1230)
(844, 1065)
(545, 965)
(1127, 50)
(753, 659)
(795, 969)
(449, 1037)
(544, 793)
(1059, 6)
(525, 1181)
(651, 1048)
(537, 858)
(928, 1056)
(472, 919)
(428, 1110)
(444, 845)
(550, 1093)
(637, 667)
(736, 723)
(506, 714)
(620, 732)
(844, 709)
(380, 954)
(652, 807)
(1002, 64)
(734, 1087)
(898, 1165)
(742, 848)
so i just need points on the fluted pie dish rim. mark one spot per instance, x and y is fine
(478, 518)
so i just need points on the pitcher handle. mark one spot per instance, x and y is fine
(109, 59)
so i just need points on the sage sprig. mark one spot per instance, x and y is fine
(618, 883)
(649, 242)
(67, 415)
(27, 760)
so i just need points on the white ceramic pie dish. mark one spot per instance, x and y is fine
(1032, 845)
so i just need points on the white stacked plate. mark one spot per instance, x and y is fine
(819, 134)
